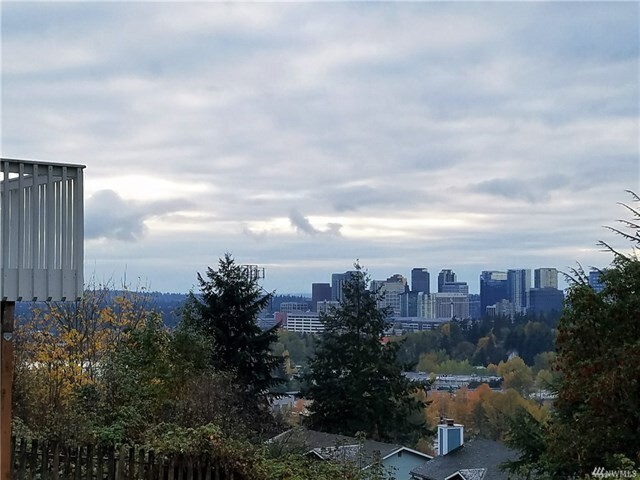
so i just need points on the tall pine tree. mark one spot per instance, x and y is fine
(226, 312)
(355, 381)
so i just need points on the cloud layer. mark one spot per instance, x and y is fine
(303, 136)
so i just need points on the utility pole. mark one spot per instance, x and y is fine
(6, 381)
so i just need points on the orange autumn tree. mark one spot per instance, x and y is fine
(482, 411)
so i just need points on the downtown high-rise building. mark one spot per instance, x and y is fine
(420, 280)
(409, 304)
(391, 291)
(518, 285)
(545, 301)
(337, 282)
(445, 276)
(545, 278)
(320, 292)
(493, 289)
(443, 306)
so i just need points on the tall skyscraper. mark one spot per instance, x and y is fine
(337, 281)
(545, 278)
(420, 280)
(493, 289)
(320, 292)
(543, 301)
(409, 304)
(391, 291)
(518, 285)
(445, 276)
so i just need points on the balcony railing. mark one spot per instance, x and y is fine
(41, 230)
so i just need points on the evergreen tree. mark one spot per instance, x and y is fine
(226, 312)
(526, 434)
(596, 417)
(355, 381)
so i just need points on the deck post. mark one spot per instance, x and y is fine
(7, 310)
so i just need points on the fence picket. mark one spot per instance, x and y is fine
(217, 477)
(131, 468)
(100, 463)
(122, 458)
(172, 467)
(89, 470)
(33, 459)
(55, 471)
(67, 463)
(190, 469)
(150, 469)
(111, 464)
(42, 460)
(23, 459)
(140, 464)
(78, 464)
(164, 467)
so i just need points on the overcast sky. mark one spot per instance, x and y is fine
(300, 137)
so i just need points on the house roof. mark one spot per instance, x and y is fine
(328, 446)
(478, 459)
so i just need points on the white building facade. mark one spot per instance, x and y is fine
(443, 305)
(303, 322)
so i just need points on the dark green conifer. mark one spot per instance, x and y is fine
(595, 421)
(355, 382)
(226, 312)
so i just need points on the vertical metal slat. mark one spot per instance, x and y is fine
(35, 240)
(78, 239)
(50, 230)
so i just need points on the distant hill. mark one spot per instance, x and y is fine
(277, 300)
(168, 304)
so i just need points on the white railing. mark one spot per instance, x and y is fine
(41, 230)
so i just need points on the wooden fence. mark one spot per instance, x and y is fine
(34, 460)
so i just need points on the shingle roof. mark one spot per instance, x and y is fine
(331, 447)
(474, 455)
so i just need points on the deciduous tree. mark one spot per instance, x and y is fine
(61, 353)
(516, 375)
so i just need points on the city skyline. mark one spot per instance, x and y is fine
(304, 137)
(554, 278)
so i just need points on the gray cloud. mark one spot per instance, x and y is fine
(252, 233)
(534, 190)
(109, 216)
(302, 225)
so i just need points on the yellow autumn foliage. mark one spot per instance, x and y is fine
(482, 411)
(62, 346)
